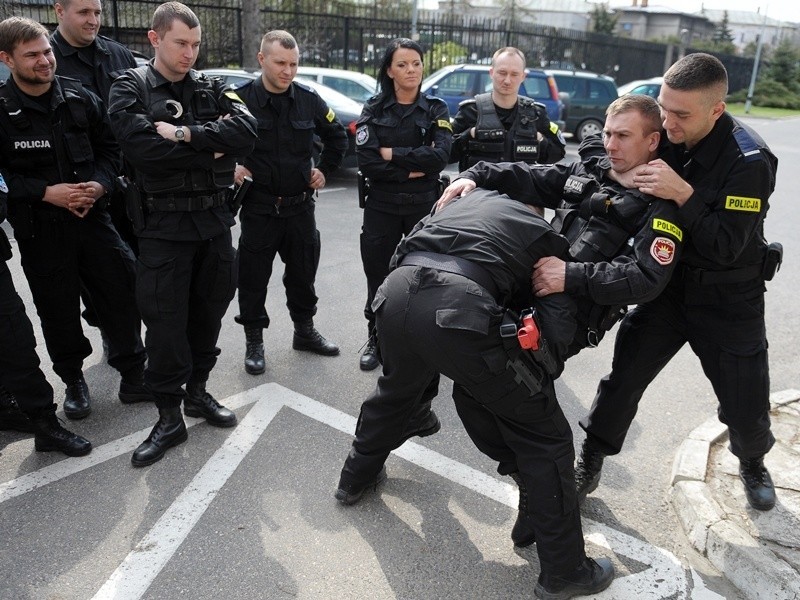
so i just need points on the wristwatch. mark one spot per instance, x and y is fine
(180, 134)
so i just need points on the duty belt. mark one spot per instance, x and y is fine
(172, 203)
(403, 198)
(281, 201)
(455, 265)
(706, 277)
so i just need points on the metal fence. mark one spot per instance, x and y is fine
(354, 36)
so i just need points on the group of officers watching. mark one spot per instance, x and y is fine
(122, 184)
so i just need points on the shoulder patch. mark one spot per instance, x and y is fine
(330, 116)
(662, 250)
(3, 185)
(233, 96)
(742, 203)
(553, 128)
(444, 124)
(240, 105)
(667, 227)
(362, 135)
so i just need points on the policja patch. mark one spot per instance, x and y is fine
(662, 250)
(362, 135)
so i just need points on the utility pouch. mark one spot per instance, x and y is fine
(772, 261)
(133, 202)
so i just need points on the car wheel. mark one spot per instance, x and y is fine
(587, 128)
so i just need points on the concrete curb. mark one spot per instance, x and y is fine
(745, 561)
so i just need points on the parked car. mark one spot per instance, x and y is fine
(456, 83)
(650, 87)
(346, 109)
(140, 58)
(589, 97)
(357, 86)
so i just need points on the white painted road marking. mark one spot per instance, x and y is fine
(664, 577)
(140, 568)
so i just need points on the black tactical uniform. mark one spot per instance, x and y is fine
(96, 66)
(624, 245)
(26, 398)
(278, 211)
(446, 318)
(420, 136)
(715, 300)
(64, 136)
(503, 134)
(186, 272)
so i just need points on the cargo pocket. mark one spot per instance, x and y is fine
(566, 475)
(218, 280)
(155, 287)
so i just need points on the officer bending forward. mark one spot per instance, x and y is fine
(442, 313)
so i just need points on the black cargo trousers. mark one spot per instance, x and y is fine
(432, 322)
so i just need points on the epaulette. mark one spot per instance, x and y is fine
(747, 145)
(303, 86)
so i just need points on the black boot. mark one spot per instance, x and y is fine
(168, 432)
(757, 483)
(11, 417)
(132, 388)
(591, 577)
(522, 534)
(77, 402)
(350, 493)
(307, 338)
(50, 435)
(429, 426)
(369, 359)
(199, 403)
(254, 352)
(587, 470)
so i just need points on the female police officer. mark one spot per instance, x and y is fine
(402, 143)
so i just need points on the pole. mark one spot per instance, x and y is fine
(414, 33)
(749, 102)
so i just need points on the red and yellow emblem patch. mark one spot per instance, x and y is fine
(662, 250)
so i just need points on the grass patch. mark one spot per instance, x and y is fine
(737, 110)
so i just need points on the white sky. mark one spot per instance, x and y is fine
(782, 10)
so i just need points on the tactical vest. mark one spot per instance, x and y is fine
(493, 143)
(598, 227)
(61, 151)
(203, 107)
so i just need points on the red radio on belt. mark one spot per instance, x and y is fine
(528, 332)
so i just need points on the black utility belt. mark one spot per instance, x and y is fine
(410, 198)
(706, 277)
(172, 203)
(282, 201)
(455, 265)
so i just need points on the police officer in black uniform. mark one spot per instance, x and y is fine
(720, 174)
(403, 142)
(624, 244)
(501, 125)
(60, 159)
(278, 211)
(441, 311)
(26, 398)
(181, 133)
(96, 61)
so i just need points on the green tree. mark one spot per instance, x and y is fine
(784, 66)
(603, 19)
(443, 54)
(723, 33)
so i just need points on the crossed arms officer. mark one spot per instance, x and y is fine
(58, 156)
(501, 125)
(440, 311)
(403, 142)
(720, 174)
(278, 212)
(26, 398)
(181, 132)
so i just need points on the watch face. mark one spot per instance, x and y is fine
(179, 133)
